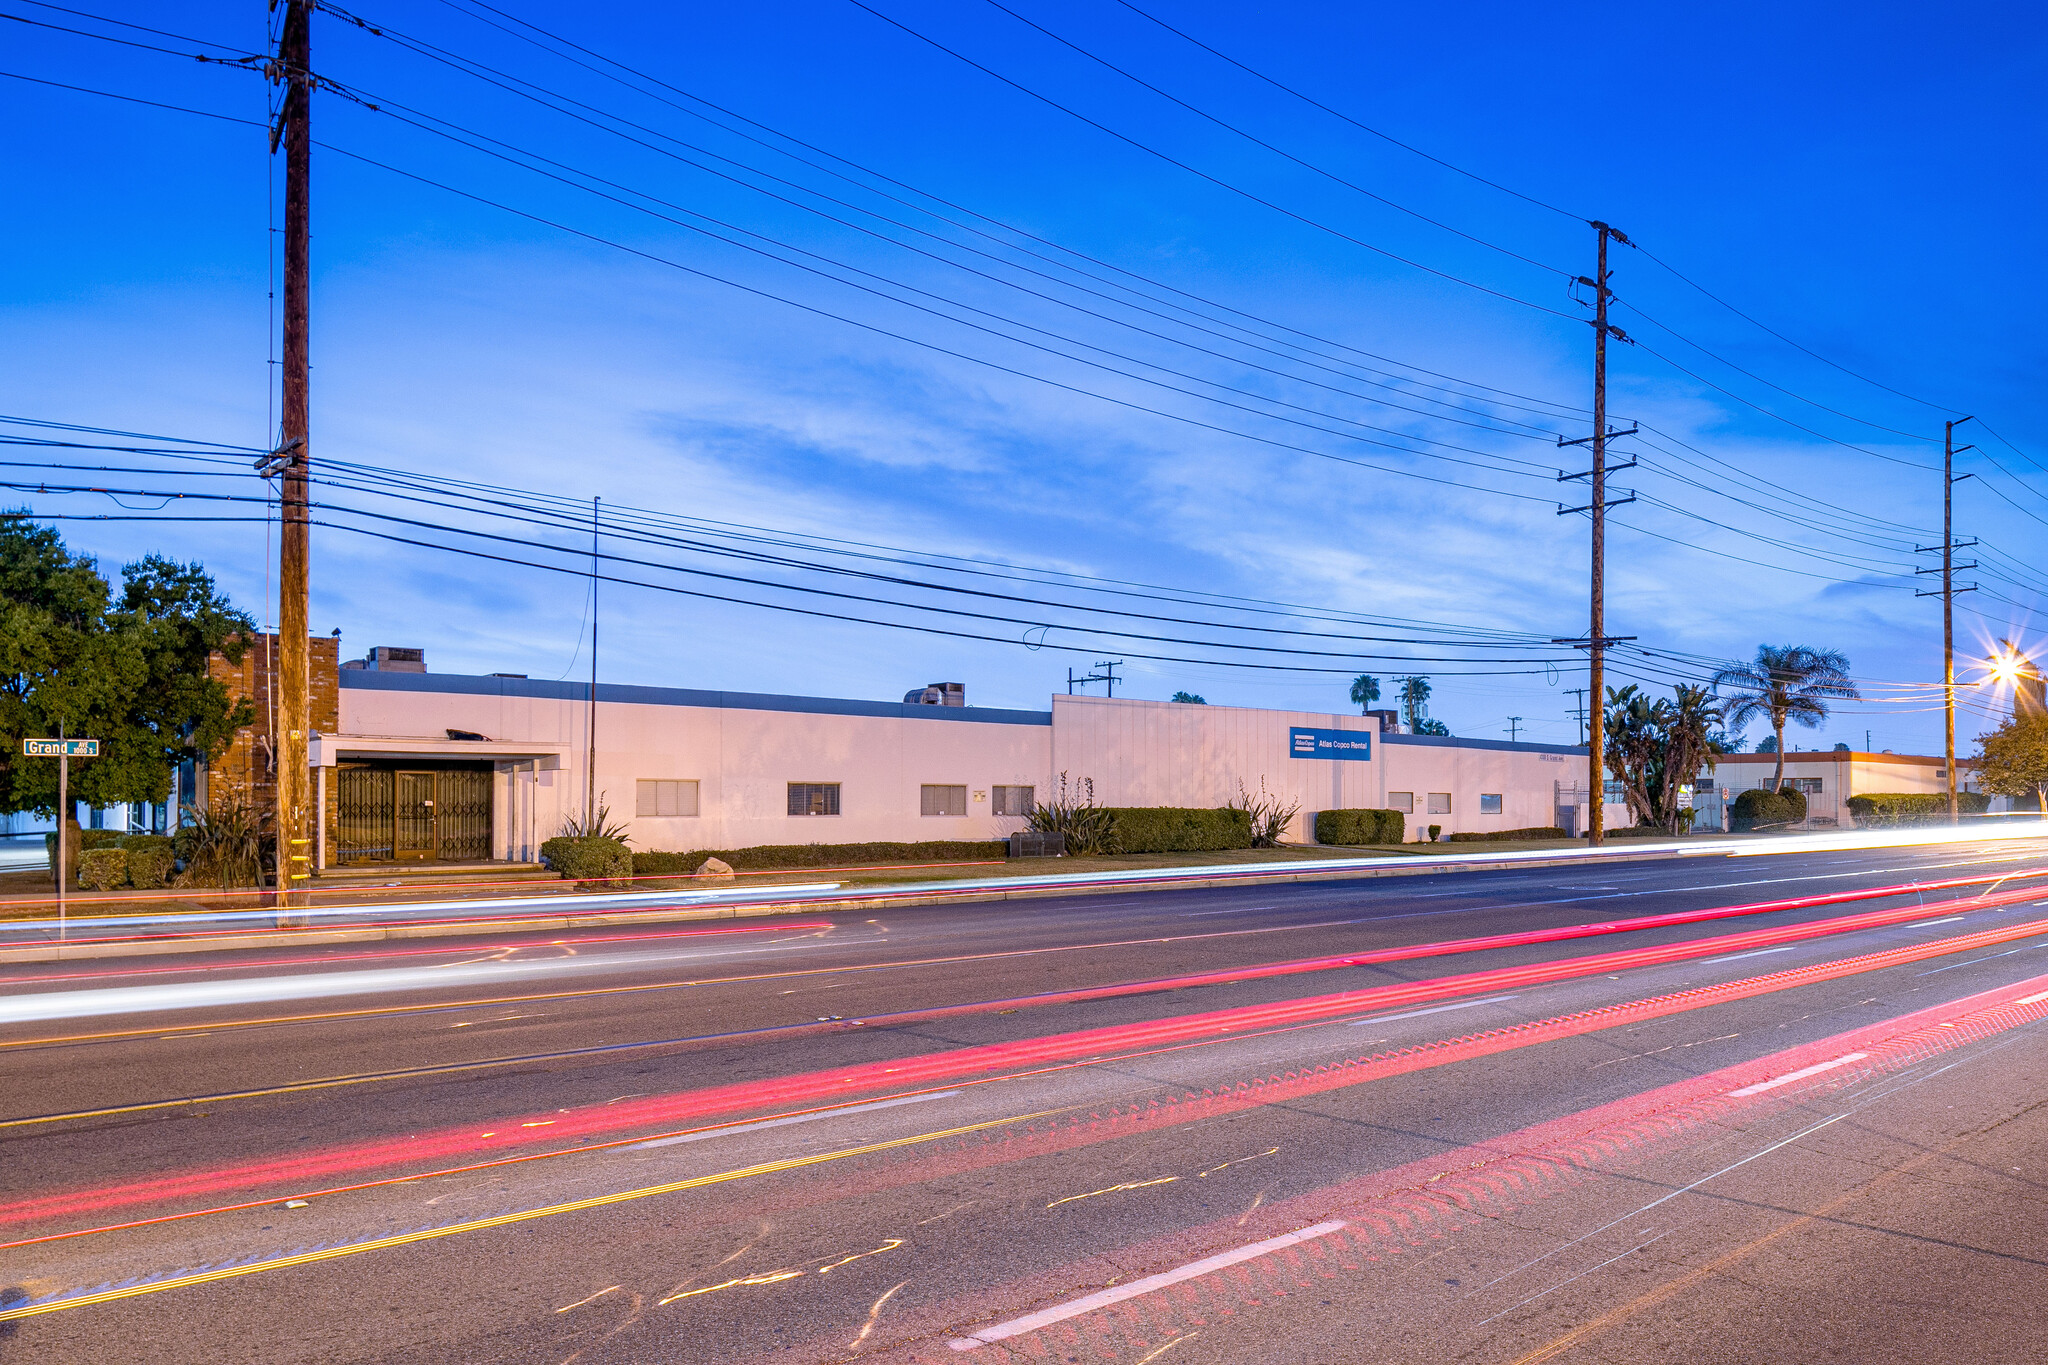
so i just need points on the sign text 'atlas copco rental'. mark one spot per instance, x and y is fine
(1351, 744)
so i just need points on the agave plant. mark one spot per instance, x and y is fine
(1089, 828)
(1268, 818)
(224, 846)
(599, 826)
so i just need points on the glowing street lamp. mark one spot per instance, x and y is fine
(2013, 669)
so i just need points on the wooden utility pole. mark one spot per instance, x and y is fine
(289, 746)
(590, 758)
(1597, 639)
(1949, 546)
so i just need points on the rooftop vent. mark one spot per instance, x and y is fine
(937, 694)
(386, 659)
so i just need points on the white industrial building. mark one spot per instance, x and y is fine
(427, 765)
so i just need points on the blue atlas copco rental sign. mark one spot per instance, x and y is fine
(1353, 744)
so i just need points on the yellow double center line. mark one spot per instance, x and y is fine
(502, 1220)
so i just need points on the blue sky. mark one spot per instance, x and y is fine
(1862, 179)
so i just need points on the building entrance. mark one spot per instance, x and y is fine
(426, 813)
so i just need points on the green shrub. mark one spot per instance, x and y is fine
(103, 869)
(593, 861)
(1358, 827)
(1533, 832)
(150, 859)
(1177, 829)
(765, 857)
(1883, 810)
(90, 839)
(1795, 801)
(1760, 809)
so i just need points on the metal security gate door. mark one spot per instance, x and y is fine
(362, 815)
(463, 816)
(414, 812)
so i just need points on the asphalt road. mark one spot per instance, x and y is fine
(1177, 1125)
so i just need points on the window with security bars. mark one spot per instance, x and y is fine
(658, 797)
(1439, 803)
(1808, 785)
(942, 800)
(814, 798)
(1016, 800)
(1401, 801)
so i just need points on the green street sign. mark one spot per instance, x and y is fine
(61, 748)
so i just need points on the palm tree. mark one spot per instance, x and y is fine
(1786, 682)
(1365, 690)
(1414, 700)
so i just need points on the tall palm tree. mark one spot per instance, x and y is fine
(1786, 682)
(1365, 690)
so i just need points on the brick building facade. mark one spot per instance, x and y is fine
(247, 771)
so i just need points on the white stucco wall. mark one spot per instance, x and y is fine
(742, 759)
(743, 752)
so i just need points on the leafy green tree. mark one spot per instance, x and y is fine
(129, 671)
(1365, 690)
(1692, 741)
(1634, 751)
(2014, 758)
(1655, 748)
(1786, 683)
(1190, 699)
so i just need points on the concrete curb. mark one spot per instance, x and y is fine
(1159, 880)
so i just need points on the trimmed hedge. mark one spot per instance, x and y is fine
(1882, 810)
(1365, 826)
(1177, 829)
(602, 861)
(88, 839)
(103, 869)
(1533, 832)
(1758, 808)
(764, 857)
(150, 859)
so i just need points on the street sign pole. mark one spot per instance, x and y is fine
(61, 749)
(63, 826)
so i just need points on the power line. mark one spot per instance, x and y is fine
(1204, 175)
(1339, 114)
(1307, 165)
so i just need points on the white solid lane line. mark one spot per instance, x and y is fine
(1434, 1009)
(1801, 1074)
(793, 1118)
(1737, 957)
(1104, 1298)
(1926, 923)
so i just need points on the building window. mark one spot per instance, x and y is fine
(1403, 802)
(1016, 800)
(1612, 794)
(1439, 803)
(658, 797)
(1488, 805)
(814, 798)
(941, 800)
(1809, 785)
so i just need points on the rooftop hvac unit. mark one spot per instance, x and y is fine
(937, 694)
(387, 659)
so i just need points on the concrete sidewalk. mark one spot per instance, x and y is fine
(138, 935)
